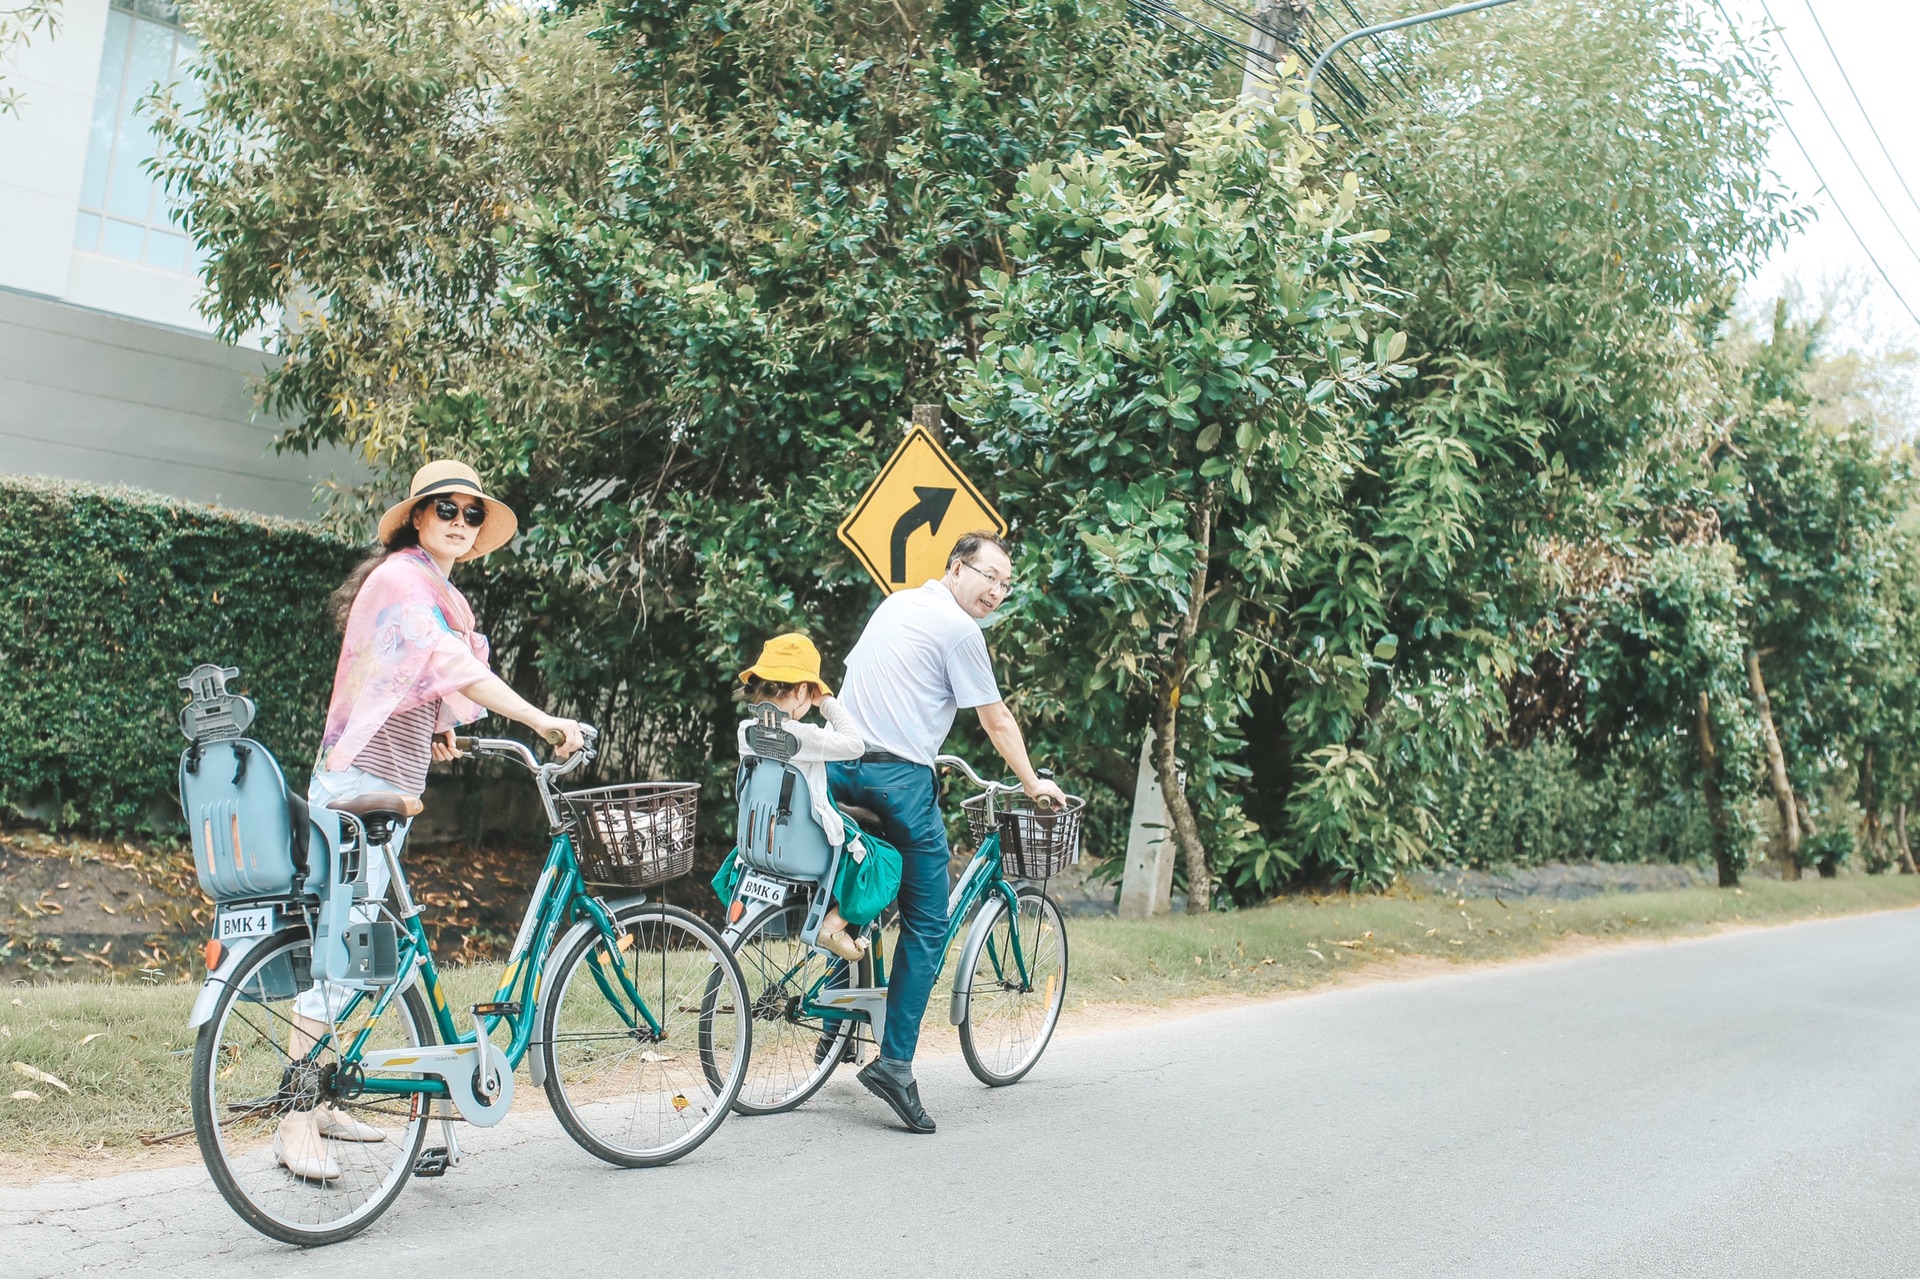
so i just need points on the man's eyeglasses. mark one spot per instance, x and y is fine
(449, 511)
(994, 581)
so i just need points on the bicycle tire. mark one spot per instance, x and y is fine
(597, 1064)
(793, 1056)
(1009, 1022)
(237, 1152)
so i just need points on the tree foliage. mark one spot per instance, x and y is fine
(1367, 450)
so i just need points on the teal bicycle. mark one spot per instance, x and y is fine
(610, 1002)
(811, 1011)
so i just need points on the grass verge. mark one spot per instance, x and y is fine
(124, 1051)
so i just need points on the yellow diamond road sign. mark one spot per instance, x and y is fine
(906, 523)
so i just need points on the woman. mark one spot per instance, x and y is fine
(411, 670)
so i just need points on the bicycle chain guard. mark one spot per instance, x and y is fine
(456, 1065)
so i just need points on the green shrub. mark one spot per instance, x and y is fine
(1522, 806)
(107, 598)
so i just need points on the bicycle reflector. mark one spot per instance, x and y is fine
(214, 952)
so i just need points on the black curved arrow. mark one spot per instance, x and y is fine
(929, 510)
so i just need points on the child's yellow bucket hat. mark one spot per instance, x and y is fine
(788, 659)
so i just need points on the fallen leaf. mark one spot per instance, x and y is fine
(25, 1095)
(87, 1039)
(16, 1003)
(63, 885)
(6, 1032)
(39, 1076)
(1454, 941)
(1432, 931)
(1316, 954)
(110, 910)
(653, 1056)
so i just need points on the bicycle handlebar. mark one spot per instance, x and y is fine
(966, 770)
(521, 754)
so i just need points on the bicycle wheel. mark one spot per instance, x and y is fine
(1010, 1020)
(793, 1053)
(627, 1094)
(257, 1104)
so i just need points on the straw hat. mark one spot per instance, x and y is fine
(788, 659)
(455, 480)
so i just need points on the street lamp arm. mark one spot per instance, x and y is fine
(1395, 25)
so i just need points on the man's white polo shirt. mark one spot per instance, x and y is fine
(920, 659)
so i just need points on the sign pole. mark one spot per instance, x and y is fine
(1146, 886)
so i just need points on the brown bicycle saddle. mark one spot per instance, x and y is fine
(368, 803)
(866, 817)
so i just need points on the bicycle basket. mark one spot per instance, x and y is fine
(636, 834)
(1035, 842)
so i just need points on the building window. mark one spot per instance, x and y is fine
(123, 211)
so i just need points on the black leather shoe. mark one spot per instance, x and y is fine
(904, 1100)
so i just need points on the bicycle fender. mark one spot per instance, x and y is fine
(536, 1060)
(976, 938)
(217, 980)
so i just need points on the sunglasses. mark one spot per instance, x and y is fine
(449, 511)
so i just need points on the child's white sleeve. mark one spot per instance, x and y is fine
(839, 740)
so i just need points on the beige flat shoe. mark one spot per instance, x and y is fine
(844, 946)
(337, 1124)
(298, 1148)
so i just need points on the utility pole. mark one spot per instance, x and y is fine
(1275, 25)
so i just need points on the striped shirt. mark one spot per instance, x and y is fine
(401, 748)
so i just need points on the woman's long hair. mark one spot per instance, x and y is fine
(340, 603)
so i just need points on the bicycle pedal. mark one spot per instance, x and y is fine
(498, 1008)
(433, 1162)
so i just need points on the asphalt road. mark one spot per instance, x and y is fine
(1743, 1105)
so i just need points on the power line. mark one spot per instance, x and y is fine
(1834, 54)
(1781, 34)
(1808, 157)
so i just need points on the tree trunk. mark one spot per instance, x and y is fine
(1900, 837)
(1873, 844)
(1186, 827)
(1166, 724)
(1716, 803)
(1789, 847)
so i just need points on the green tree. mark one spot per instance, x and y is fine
(1165, 383)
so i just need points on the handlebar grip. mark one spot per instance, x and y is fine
(466, 745)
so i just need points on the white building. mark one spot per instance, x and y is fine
(107, 370)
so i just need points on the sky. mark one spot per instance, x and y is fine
(1875, 42)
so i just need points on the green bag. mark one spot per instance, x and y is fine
(861, 890)
(727, 878)
(864, 888)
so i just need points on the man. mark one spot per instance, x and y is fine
(919, 661)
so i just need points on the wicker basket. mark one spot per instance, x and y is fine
(636, 834)
(1035, 842)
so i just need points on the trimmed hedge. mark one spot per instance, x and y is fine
(107, 598)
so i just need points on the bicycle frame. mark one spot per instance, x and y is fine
(559, 899)
(981, 878)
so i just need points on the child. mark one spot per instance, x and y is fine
(788, 675)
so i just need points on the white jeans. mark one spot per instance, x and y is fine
(324, 1000)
